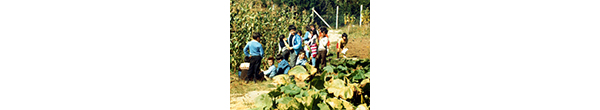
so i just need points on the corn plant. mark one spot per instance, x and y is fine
(249, 16)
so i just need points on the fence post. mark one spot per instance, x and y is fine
(336, 16)
(360, 22)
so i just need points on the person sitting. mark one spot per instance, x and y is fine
(301, 59)
(244, 67)
(283, 66)
(272, 69)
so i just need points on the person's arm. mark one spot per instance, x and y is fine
(262, 52)
(298, 60)
(286, 70)
(268, 71)
(286, 44)
(246, 50)
(297, 42)
(306, 35)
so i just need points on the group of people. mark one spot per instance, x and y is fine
(294, 50)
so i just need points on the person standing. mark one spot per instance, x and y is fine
(255, 51)
(296, 42)
(284, 48)
(322, 49)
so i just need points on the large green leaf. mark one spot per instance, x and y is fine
(341, 68)
(311, 70)
(339, 89)
(336, 104)
(318, 82)
(362, 107)
(300, 74)
(323, 106)
(288, 103)
(358, 75)
(347, 105)
(275, 93)
(263, 101)
(281, 79)
(328, 69)
(291, 89)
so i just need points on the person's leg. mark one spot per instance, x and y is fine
(273, 74)
(323, 55)
(253, 68)
(313, 62)
(257, 69)
(293, 58)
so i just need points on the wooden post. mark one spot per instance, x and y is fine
(360, 22)
(336, 16)
(312, 15)
(321, 18)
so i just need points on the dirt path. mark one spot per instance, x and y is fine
(358, 47)
(244, 101)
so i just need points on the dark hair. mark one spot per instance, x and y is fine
(246, 59)
(301, 52)
(279, 57)
(291, 27)
(324, 29)
(281, 37)
(270, 58)
(256, 35)
(344, 35)
(308, 28)
(313, 32)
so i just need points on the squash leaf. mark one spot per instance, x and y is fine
(291, 89)
(328, 69)
(263, 101)
(300, 74)
(336, 104)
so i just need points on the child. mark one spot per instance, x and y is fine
(301, 59)
(283, 47)
(244, 68)
(306, 39)
(283, 66)
(322, 53)
(255, 51)
(272, 70)
(313, 47)
(296, 42)
(341, 45)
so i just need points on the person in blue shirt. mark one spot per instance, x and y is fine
(306, 39)
(296, 42)
(272, 69)
(283, 66)
(255, 51)
(301, 61)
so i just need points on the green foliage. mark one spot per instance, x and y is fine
(328, 69)
(300, 74)
(249, 16)
(291, 89)
(288, 103)
(264, 102)
(337, 87)
(327, 8)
